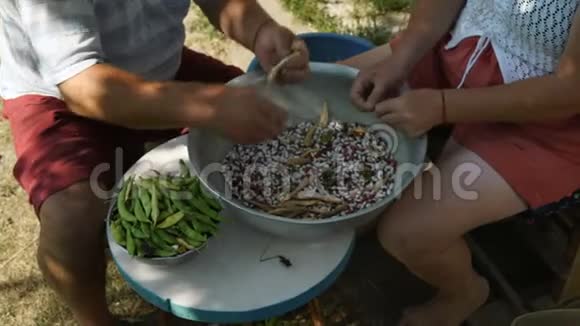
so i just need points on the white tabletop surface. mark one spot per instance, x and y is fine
(227, 282)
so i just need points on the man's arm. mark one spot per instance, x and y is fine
(556, 96)
(109, 94)
(240, 20)
(428, 23)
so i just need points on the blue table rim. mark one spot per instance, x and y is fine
(264, 313)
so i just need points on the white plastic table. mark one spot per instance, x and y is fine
(227, 282)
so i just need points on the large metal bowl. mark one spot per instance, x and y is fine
(328, 82)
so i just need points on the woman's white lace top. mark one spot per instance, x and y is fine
(527, 36)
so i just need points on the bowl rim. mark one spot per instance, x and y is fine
(328, 68)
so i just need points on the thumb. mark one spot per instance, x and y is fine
(386, 107)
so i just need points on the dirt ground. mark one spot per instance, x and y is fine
(25, 299)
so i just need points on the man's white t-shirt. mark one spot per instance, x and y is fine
(46, 42)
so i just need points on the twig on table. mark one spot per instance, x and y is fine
(316, 313)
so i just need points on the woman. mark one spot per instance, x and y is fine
(506, 73)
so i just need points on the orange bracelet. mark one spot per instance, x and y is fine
(443, 108)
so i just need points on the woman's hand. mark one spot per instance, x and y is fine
(378, 82)
(415, 112)
(273, 43)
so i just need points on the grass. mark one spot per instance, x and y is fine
(310, 12)
(366, 14)
(203, 36)
(383, 6)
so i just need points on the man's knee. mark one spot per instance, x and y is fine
(73, 214)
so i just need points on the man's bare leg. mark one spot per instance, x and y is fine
(71, 252)
(426, 233)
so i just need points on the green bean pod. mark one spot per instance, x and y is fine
(171, 220)
(189, 232)
(185, 244)
(140, 213)
(164, 252)
(166, 237)
(203, 208)
(129, 187)
(203, 227)
(126, 225)
(139, 247)
(118, 233)
(211, 201)
(130, 244)
(154, 205)
(184, 169)
(145, 228)
(164, 183)
(158, 242)
(168, 204)
(137, 233)
(204, 218)
(193, 243)
(163, 216)
(121, 207)
(145, 200)
(178, 203)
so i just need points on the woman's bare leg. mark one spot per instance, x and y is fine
(426, 232)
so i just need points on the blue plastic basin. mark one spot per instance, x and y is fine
(329, 47)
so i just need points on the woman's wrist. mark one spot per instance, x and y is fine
(412, 45)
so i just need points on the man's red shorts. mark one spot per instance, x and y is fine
(56, 148)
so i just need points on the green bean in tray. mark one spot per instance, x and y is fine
(164, 215)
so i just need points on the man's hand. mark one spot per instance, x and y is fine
(244, 116)
(414, 112)
(274, 42)
(106, 93)
(378, 83)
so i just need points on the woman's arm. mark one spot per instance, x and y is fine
(556, 96)
(429, 22)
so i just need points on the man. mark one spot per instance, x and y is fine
(81, 78)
